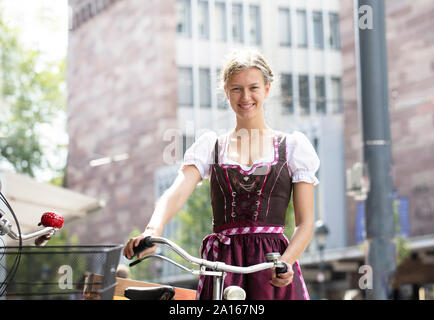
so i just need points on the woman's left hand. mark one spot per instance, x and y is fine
(282, 279)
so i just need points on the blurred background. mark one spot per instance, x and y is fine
(100, 99)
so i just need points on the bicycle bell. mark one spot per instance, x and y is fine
(272, 257)
(234, 293)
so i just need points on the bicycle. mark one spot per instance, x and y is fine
(215, 269)
(52, 223)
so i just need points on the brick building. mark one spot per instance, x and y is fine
(121, 82)
(410, 45)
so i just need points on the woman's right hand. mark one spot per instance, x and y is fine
(134, 242)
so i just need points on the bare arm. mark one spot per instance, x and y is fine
(169, 204)
(304, 228)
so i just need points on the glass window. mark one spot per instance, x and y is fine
(183, 18)
(222, 102)
(284, 27)
(286, 93)
(320, 94)
(237, 23)
(186, 142)
(255, 25)
(220, 21)
(185, 86)
(318, 33)
(336, 95)
(203, 19)
(301, 28)
(204, 88)
(303, 89)
(335, 38)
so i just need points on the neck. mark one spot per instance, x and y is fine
(252, 124)
(251, 130)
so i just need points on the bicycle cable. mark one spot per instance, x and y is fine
(10, 276)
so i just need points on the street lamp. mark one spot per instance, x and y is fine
(321, 232)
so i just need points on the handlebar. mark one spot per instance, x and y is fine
(42, 235)
(217, 266)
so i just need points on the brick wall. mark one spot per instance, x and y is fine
(410, 45)
(122, 86)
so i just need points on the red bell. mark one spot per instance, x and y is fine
(51, 219)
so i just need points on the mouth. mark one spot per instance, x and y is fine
(246, 107)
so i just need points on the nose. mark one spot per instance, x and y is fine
(245, 95)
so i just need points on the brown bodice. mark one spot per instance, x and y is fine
(259, 196)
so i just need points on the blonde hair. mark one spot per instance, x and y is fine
(242, 59)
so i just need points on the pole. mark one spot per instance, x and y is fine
(376, 145)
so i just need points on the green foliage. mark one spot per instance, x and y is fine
(32, 93)
(195, 219)
(403, 248)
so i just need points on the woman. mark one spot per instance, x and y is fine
(252, 170)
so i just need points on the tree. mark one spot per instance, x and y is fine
(32, 94)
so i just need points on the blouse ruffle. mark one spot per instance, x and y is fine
(303, 161)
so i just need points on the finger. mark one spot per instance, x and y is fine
(281, 282)
(127, 249)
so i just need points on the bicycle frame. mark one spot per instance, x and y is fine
(218, 269)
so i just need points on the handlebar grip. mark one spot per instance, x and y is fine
(283, 269)
(144, 244)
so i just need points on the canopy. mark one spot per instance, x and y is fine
(30, 199)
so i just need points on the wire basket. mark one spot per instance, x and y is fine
(60, 272)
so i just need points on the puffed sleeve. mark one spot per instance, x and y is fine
(201, 153)
(302, 159)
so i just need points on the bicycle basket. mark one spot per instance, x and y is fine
(60, 272)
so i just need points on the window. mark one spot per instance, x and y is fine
(237, 23)
(301, 28)
(204, 88)
(336, 95)
(303, 89)
(284, 27)
(203, 19)
(286, 93)
(220, 21)
(335, 41)
(221, 95)
(186, 142)
(318, 33)
(255, 25)
(320, 94)
(185, 87)
(183, 18)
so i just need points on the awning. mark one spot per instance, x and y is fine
(30, 199)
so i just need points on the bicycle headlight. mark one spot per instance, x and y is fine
(234, 293)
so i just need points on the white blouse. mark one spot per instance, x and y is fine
(302, 159)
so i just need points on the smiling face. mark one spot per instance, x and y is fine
(246, 92)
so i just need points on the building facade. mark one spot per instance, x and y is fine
(121, 82)
(410, 47)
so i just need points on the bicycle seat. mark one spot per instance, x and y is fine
(150, 293)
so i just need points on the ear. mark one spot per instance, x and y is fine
(267, 89)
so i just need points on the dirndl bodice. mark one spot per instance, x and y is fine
(249, 211)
